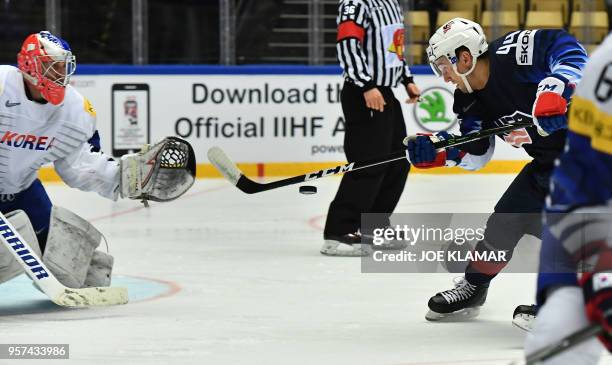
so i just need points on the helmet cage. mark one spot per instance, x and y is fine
(47, 63)
(56, 69)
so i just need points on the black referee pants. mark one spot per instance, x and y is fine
(368, 134)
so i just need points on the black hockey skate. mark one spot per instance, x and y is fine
(461, 302)
(345, 245)
(524, 316)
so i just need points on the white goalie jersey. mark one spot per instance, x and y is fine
(34, 134)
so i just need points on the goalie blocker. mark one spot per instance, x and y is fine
(160, 172)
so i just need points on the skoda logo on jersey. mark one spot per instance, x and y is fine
(434, 112)
(523, 43)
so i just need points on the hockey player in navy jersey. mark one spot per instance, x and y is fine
(522, 75)
(577, 236)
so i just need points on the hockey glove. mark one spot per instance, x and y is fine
(597, 290)
(160, 172)
(550, 106)
(421, 153)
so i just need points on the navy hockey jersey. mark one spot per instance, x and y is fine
(517, 63)
(583, 176)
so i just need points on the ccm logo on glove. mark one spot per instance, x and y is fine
(550, 106)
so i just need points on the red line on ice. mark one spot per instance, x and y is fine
(174, 288)
(314, 222)
(140, 207)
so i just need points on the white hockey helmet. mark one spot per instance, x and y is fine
(455, 33)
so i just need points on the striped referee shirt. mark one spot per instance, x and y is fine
(370, 43)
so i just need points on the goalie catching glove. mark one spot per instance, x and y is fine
(160, 172)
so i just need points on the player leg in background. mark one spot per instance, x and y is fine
(35, 202)
(368, 134)
(561, 305)
(394, 180)
(505, 227)
(33, 224)
(561, 315)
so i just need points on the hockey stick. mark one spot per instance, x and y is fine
(232, 173)
(561, 345)
(44, 279)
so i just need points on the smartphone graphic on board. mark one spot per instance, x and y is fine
(130, 118)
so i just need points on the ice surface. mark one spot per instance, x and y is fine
(255, 290)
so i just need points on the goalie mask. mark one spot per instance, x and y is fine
(456, 33)
(47, 62)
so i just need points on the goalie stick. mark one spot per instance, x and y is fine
(44, 279)
(232, 173)
(561, 345)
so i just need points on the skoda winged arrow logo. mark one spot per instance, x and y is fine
(435, 113)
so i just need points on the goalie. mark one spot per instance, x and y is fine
(43, 119)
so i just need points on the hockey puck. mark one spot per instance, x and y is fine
(308, 189)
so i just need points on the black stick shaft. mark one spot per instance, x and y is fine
(250, 186)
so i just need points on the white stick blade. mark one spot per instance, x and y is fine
(224, 165)
(92, 297)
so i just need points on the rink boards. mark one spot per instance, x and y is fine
(273, 120)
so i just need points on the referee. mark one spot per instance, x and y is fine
(370, 45)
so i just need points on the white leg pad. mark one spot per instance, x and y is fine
(100, 270)
(561, 315)
(9, 267)
(70, 247)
